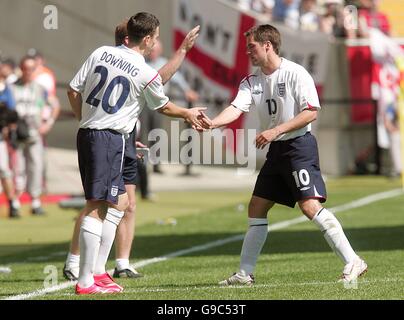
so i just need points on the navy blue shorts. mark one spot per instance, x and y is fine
(130, 162)
(130, 171)
(291, 172)
(101, 154)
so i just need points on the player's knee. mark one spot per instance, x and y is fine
(123, 203)
(309, 207)
(257, 210)
(131, 208)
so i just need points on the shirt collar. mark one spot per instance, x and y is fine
(130, 51)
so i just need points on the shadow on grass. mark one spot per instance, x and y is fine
(149, 246)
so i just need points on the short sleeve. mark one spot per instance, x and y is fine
(305, 92)
(154, 93)
(243, 99)
(79, 81)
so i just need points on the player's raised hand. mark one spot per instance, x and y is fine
(190, 38)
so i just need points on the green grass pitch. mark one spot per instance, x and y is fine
(296, 262)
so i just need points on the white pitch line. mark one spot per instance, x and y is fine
(276, 226)
(41, 292)
(256, 286)
(344, 207)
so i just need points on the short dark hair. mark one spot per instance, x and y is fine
(8, 61)
(141, 25)
(25, 58)
(121, 32)
(266, 32)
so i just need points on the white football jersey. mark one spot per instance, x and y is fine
(278, 97)
(116, 83)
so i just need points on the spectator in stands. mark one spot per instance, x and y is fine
(7, 69)
(156, 60)
(309, 19)
(332, 22)
(244, 4)
(150, 120)
(42, 74)
(263, 6)
(46, 78)
(6, 95)
(371, 17)
(143, 176)
(30, 100)
(287, 11)
(6, 108)
(7, 104)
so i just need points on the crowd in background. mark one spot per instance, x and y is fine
(332, 17)
(28, 110)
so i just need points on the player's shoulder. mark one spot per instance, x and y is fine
(294, 68)
(250, 78)
(148, 74)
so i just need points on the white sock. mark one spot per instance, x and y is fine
(122, 264)
(72, 260)
(252, 244)
(36, 203)
(334, 235)
(16, 204)
(90, 238)
(109, 226)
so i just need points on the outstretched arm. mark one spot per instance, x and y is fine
(171, 67)
(227, 116)
(192, 116)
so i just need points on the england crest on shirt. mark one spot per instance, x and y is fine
(114, 191)
(281, 89)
